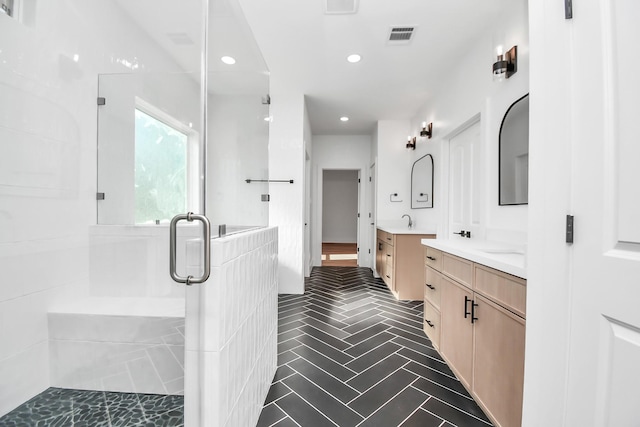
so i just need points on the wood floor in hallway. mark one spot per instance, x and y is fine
(340, 254)
(350, 355)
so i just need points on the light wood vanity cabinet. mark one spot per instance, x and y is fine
(400, 265)
(481, 330)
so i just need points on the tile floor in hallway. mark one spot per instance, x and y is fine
(351, 355)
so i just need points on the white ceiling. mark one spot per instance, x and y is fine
(307, 49)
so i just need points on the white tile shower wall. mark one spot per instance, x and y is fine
(48, 168)
(132, 261)
(231, 331)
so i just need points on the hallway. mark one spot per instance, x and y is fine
(349, 354)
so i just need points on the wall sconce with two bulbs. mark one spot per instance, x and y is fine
(426, 132)
(506, 64)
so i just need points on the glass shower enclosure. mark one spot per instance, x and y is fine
(182, 136)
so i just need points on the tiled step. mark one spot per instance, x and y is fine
(118, 344)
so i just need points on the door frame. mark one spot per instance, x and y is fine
(317, 228)
(445, 229)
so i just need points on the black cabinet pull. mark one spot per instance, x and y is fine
(429, 323)
(431, 258)
(388, 255)
(388, 238)
(388, 277)
(473, 311)
(379, 246)
(467, 300)
(433, 288)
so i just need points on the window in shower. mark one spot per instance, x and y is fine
(162, 166)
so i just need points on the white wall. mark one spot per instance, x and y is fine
(340, 206)
(308, 182)
(238, 141)
(342, 152)
(394, 172)
(466, 91)
(48, 168)
(550, 260)
(231, 331)
(286, 161)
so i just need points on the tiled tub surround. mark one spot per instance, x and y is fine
(231, 331)
(118, 344)
(68, 407)
(350, 354)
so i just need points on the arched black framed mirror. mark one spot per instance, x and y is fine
(422, 183)
(513, 175)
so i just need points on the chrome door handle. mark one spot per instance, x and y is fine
(206, 236)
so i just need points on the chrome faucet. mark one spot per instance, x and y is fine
(410, 222)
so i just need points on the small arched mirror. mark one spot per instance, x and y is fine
(514, 154)
(422, 183)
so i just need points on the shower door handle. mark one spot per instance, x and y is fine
(206, 237)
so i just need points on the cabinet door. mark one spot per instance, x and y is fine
(456, 333)
(389, 267)
(379, 257)
(499, 362)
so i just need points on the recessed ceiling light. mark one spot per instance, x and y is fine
(344, 118)
(354, 58)
(228, 60)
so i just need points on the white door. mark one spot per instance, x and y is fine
(464, 180)
(604, 364)
(307, 214)
(372, 217)
(597, 374)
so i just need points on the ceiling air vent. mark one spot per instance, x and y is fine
(181, 39)
(339, 7)
(401, 34)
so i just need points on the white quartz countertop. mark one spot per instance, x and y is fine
(407, 230)
(505, 257)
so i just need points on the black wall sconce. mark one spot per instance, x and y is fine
(507, 64)
(411, 142)
(427, 130)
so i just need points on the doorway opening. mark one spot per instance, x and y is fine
(340, 222)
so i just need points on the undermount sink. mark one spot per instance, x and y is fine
(511, 251)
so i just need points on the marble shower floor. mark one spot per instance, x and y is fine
(350, 355)
(59, 407)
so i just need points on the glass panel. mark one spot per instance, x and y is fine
(238, 123)
(148, 147)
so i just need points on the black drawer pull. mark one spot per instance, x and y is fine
(473, 312)
(388, 276)
(433, 288)
(431, 258)
(388, 255)
(429, 323)
(467, 300)
(388, 238)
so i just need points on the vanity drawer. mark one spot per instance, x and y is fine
(458, 268)
(502, 288)
(432, 324)
(433, 286)
(390, 239)
(433, 258)
(388, 276)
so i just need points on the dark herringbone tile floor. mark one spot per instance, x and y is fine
(350, 355)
